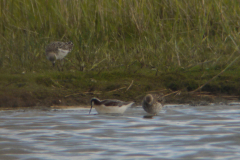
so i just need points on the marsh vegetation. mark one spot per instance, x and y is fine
(124, 47)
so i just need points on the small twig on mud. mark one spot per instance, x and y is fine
(203, 92)
(116, 89)
(157, 91)
(177, 92)
(129, 86)
(215, 76)
(230, 96)
(82, 93)
(92, 92)
(72, 95)
(205, 95)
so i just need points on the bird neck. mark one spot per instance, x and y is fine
(95, 101)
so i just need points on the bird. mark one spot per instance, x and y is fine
(152, 104)
(110, 106)
(58, 50)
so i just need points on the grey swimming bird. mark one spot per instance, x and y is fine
(152, 104)
(109, 106)
(58, 50)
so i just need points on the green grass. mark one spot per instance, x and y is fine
(108, 34)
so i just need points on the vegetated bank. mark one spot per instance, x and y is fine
(76, 88)
(122, 49)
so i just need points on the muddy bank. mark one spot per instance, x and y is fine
(72, 89)
(26, 99)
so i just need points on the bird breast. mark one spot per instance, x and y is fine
(62, 53)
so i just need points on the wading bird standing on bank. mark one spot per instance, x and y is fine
(152, 104)
(58, 50)
(110, 106)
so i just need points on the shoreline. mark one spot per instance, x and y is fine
(84, 101)
(73, 89)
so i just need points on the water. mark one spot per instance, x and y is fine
(178, 132)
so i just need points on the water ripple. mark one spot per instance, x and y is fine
(178, 132)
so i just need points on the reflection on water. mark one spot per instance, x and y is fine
(203, 132)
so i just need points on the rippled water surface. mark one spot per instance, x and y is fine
(178, 132)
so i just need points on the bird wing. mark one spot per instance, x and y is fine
(112, 103)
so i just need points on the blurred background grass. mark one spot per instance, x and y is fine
(113, 34)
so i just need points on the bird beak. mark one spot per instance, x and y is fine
(90, 108)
